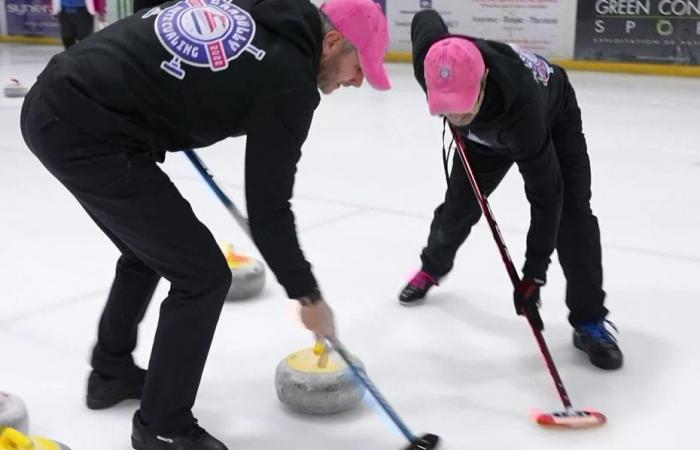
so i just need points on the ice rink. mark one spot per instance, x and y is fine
(463, 365)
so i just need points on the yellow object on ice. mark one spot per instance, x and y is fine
(12, 439)
(307, 361)
(236, 260)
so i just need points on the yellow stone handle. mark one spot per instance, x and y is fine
(320, 351)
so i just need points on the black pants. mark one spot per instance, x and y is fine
(76, 25)
(578, 243)
(137, 206)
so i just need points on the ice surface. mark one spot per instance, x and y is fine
(463, 365)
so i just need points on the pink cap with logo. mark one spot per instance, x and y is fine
(363, 24)
(453, 71)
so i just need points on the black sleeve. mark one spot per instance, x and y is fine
(277, 129)
(537, 162)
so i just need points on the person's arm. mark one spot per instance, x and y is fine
(277, 129)
(539, 166)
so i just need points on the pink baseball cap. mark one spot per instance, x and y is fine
(362, 22)
(453, 71)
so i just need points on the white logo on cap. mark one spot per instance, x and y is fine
(445, 72)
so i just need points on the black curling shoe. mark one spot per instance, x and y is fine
(104, 392)
(194, 438)
(416, 289)
(599, 344)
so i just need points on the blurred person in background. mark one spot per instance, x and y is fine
(77, 18)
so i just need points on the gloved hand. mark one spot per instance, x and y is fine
(317, 317)
(526, 298)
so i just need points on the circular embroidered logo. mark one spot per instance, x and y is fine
(445, 73)
(204, 33)
(541, 70)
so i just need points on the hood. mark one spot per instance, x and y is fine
(297, 21)
(427, 27)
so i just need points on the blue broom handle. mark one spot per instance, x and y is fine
(209, 178)
(360, 373)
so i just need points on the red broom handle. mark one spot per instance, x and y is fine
(510, 267)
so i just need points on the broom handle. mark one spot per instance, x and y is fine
(510, 267)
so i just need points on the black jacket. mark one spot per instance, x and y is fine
(523, 96)
(148, 81)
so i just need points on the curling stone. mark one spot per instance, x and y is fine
(248, 275)
(12, 439)
(305, 387)
(15, 89)
(13, 413)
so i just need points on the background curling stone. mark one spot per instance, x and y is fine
(13, 413)
(15, 89)
(12, 439)
(248, 275)
(307, 388)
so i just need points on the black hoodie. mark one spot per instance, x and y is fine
(145, 82)
(523, 96)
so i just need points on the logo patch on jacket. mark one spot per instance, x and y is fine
(204, 33)
(539, 66)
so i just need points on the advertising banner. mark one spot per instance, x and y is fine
(3, 18)
(546, 27)
(642, 31)
(30, 18)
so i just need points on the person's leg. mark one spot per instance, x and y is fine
(453, 220)
(132, 288)
(68, 31)
(115, 377)
(578, 243)
(84, 24)
(131, 292)
(135, 200)
(152, 218)
(460, 211)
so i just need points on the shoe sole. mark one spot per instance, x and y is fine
(98, 404)
(418, 302)
(599, 363)
(138, 445)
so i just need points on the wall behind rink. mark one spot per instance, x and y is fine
(637, 36)
(641, 36)
(656, 31)
(546, 27)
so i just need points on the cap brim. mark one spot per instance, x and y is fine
(441, 103)
(375, 73)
